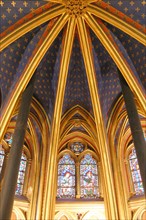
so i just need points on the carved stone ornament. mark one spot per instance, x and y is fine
(75, 7)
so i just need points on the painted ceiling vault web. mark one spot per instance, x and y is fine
(74, 47)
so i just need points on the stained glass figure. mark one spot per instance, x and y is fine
(66, 177)
(89, 177)
(21, 175)
(2, 156)
(135, 172)
(77, 147)
(8, 138)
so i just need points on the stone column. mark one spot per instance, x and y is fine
(136, 129)
(12, 168)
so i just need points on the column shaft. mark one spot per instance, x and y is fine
(12, 168)
(136, 128)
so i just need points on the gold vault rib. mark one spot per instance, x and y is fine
(89, 65)
(6, 114)
(117, 58)
(67, 48)
(117, 22)
(30, 25)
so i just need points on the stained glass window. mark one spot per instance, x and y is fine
(77, 147)
(89, 177)
(21, 175)
(8, 138)
(135, 172)
(66, 177)
(2, 156)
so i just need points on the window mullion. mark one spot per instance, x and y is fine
(78, 190)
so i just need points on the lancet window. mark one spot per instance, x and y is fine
(21, 175)
(135, 173)
(4, 154)
(66, 177)
(88, 177)
(78, 173)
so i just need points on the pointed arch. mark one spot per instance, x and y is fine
(88, 118)
(69, 215)
(37, 55)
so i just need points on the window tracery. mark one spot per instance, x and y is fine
(135, 173)
(77, 173)
(66, 177)
(21, 175)
(89, 177)
(4, 152)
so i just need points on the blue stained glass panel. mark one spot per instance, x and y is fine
(21, 175)
(66, 159)
(66, 177)
(134, 164)
(135, 172)
(19, 189)
(8, 138)
(77, 147)
(2, 156)
(66, 192)
(89, 177)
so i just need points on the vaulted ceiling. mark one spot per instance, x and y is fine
(79, 43)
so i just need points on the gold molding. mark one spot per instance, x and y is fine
(78, 135)
(113, 123)
(49, 209)
(26, 76)
(105, 159)
(84, 124)
(62, 1)
(54, 1)
(30, 25)
(117, 58)
(117, 22)
(74, 110)
(114, 115)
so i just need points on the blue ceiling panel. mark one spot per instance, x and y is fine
(135, 9)
(12, 11)
(77, 90)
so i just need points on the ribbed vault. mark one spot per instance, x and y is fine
(74, 48)
(82, 64)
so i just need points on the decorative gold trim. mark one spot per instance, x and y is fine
(117, 58)
(49, 209)
(31, 69)
(54, 1)
(118, 115)
(113, 123)
(30, 25)
(90, 71)
(81, 111)
(117, 22)
(76, 134)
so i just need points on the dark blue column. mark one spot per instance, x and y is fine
(12, 167)
(136, 128)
